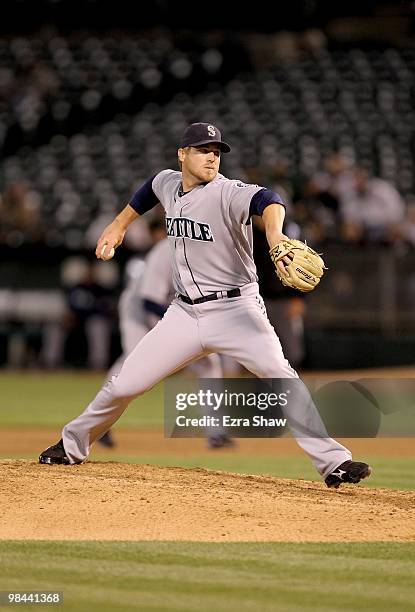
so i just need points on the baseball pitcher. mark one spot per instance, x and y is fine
(217, 308)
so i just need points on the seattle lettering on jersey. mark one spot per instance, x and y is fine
(183, 227)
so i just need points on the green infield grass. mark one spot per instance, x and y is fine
(38, 400)
(180, 576)
(49, 399)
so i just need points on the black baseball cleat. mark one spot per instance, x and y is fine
(349, 471)
(54, 455)
(220, 441)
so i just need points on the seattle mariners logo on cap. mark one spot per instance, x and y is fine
(198, 134)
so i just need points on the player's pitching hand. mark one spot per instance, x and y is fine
(111, 237)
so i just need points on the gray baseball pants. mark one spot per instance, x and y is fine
(237, 327)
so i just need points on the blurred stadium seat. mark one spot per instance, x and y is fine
(87, 115)
(355, 101)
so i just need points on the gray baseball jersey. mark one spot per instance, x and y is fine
(210, 233)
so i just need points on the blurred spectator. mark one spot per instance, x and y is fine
(372, 210)
(313, 42)
(90, 312)
(279, 179)
(318, 208)
(20, 219)
(286, 48)
(333, 182)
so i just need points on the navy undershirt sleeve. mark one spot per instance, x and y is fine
(262, 199)
(144, 199)
(154, 308)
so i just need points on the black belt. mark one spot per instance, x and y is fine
(212, 296)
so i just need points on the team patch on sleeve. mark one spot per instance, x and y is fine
(242, 185)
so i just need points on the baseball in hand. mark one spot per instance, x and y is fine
(110, 254)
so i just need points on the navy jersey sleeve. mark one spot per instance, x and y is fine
(144, 199)
(261, 199)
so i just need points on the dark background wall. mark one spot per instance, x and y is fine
(265, 16)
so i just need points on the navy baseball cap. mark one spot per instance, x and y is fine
(198, 134)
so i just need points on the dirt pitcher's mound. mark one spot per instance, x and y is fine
(114, 501)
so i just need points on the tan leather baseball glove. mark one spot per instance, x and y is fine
(305, 267)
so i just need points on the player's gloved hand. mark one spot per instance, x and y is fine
(297, 265)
